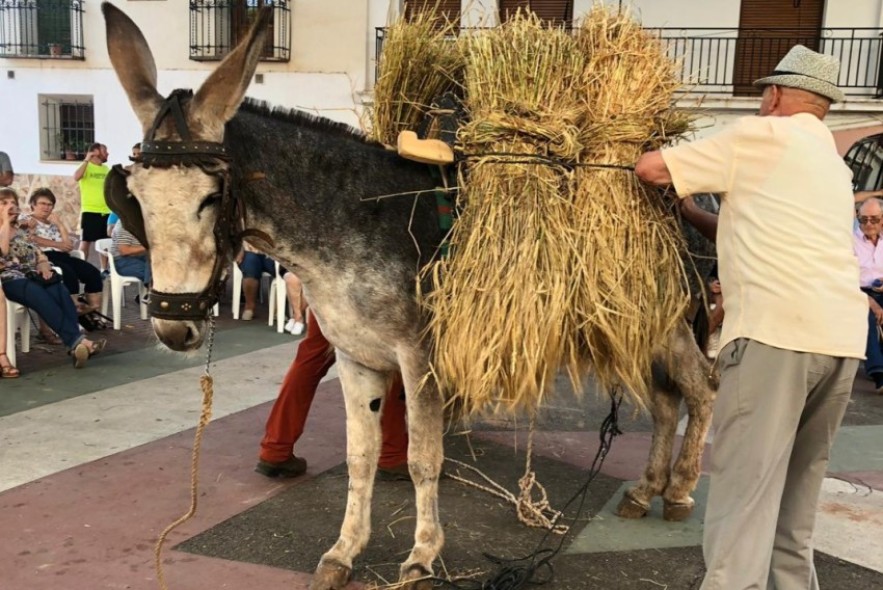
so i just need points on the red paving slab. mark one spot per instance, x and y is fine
(94, 526)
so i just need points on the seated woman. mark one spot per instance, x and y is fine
(129, 256)
(52, 237)
(27, 278)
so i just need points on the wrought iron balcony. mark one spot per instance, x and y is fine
(41, 29)
(216, 26)
(727, 61)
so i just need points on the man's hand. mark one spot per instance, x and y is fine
(651, 168)
(876, 310)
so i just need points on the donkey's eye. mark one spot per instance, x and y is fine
(210, 201)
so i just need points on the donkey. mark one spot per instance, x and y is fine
(215, 170)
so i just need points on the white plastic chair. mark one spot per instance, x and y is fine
(17, 319)
(277, 299)
(117, 283)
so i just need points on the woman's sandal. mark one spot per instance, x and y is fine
(7, 371)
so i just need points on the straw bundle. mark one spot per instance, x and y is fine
(554, 263)
(419, 62)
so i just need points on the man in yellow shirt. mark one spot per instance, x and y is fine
(795, 324)
(93, 208)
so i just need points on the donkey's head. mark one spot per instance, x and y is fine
(181, 189)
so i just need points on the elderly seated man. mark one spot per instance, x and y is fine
(869, 250)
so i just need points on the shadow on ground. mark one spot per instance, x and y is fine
(294, 528)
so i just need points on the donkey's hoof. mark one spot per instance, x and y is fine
(415, 577)
(677, 512)
(631, 508)
(330, 575)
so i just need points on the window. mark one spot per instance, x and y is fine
(67, 125)
(216, 26)
(41, 28)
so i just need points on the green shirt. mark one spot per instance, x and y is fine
(92, 189)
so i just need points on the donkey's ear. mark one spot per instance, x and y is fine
(223, 91)
(133, 63)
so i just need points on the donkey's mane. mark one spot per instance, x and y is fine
(303, 119)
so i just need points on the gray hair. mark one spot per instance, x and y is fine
(878, 202)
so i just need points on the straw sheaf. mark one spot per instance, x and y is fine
(420, 62)
(555, 265)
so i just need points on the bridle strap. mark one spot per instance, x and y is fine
(211, 158)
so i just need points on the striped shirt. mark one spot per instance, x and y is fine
(121, 236)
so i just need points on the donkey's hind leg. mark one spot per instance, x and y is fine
(664, 406)
(691, 372)
(425, 456)
(363, 391)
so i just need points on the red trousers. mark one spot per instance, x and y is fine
(285, 424)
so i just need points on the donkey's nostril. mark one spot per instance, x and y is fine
(192, 336)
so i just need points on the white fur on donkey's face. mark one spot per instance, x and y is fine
(182, 243)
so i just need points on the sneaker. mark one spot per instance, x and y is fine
(291, 467)
(395, 473)
(293, 327)
(247, 315)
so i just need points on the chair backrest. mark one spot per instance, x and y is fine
(102, 246)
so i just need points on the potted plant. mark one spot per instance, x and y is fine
(55, 49)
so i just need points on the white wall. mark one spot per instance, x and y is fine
(330, 95)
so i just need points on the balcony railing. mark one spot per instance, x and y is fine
(727, 61)
(216, 26)
(41, 29)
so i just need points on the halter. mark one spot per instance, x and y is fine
(212, 158)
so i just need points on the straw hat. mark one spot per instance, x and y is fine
(805, 69)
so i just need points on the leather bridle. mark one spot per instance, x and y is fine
(211, 158)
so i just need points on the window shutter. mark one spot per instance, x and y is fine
(553, 12)
(767, 30)
(449, 9)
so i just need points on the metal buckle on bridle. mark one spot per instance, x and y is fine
(212, 158)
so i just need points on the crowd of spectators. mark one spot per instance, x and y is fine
(45, 266)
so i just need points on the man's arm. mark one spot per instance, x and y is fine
(81, 169)
(862, 196)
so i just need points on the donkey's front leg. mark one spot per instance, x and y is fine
(363, 391)
(425, 456)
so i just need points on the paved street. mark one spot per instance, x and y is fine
(95, 463)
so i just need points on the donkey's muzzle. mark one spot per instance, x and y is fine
(181, 336)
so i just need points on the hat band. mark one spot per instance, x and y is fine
(789, 73)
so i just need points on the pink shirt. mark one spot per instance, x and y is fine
(870, 258)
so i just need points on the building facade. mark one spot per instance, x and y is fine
(58, 92)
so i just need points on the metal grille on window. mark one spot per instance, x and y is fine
(216, 26)
(69, 127)
(41, 28)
